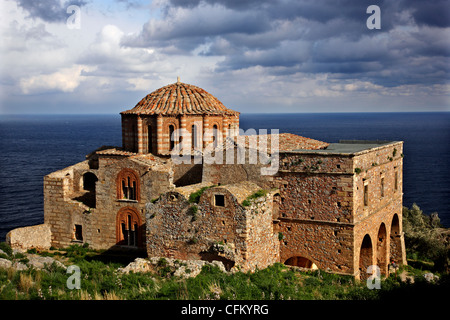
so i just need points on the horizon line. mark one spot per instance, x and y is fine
(330, 112)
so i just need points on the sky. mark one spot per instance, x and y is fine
(255, 56)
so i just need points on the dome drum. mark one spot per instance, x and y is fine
(148, 127)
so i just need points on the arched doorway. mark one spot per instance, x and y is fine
(129, 228)
(382, 249)
(365, 257)
(396, 245)
(302, 262)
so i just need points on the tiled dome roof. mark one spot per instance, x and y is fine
(180, 98)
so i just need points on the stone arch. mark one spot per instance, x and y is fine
(89, 181)
(396, 253)
(365, 256)
(382, 249)
(129, 228)
(301, 261)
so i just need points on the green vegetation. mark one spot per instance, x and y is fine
(425, 239)
(256, 195)
(426, 250)
(193, 212)
(102, 281)
(358, 170)
(195, 196)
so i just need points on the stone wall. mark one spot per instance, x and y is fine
(219, 227)
(73, 220)
(331, 202)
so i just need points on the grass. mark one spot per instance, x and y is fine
(101, 281)
(256, 195)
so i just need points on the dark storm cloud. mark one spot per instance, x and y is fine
(48, 10)
(310, 36)
(431, 12)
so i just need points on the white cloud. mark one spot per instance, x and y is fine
(65, 80)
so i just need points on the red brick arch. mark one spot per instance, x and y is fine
(127, 176)
(129, 225)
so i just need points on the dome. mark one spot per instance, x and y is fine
(180, 98)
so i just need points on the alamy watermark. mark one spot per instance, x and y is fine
(239, 147)
(374, 21)
(374, 280)
(74, 281)
(74, 20)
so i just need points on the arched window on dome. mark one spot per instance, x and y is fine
(215, 135)
(194, 137)
(150, 139)
(171, 137)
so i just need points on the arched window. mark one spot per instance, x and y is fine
(150, 139)
(171, 137)
(128, 185)
(129, 228)
(194, 137)
(215, 135)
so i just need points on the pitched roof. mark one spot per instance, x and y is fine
(286, 142)
(180, 98)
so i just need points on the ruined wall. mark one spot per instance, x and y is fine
(61, 212)
(72, 218)
(38, 237)
(263, 245)
(231, 233)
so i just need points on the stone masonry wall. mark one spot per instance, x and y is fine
(323, 215)
(232, 233)
(64, 210)
(38, 237)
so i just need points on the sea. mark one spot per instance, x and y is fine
(32, 146)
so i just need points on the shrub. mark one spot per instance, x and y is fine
(246, 203)
(5, 248)
(256, 195)
(358, 170)
(422, 237)
(195, 196)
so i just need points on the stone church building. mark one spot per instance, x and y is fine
(332, 206)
